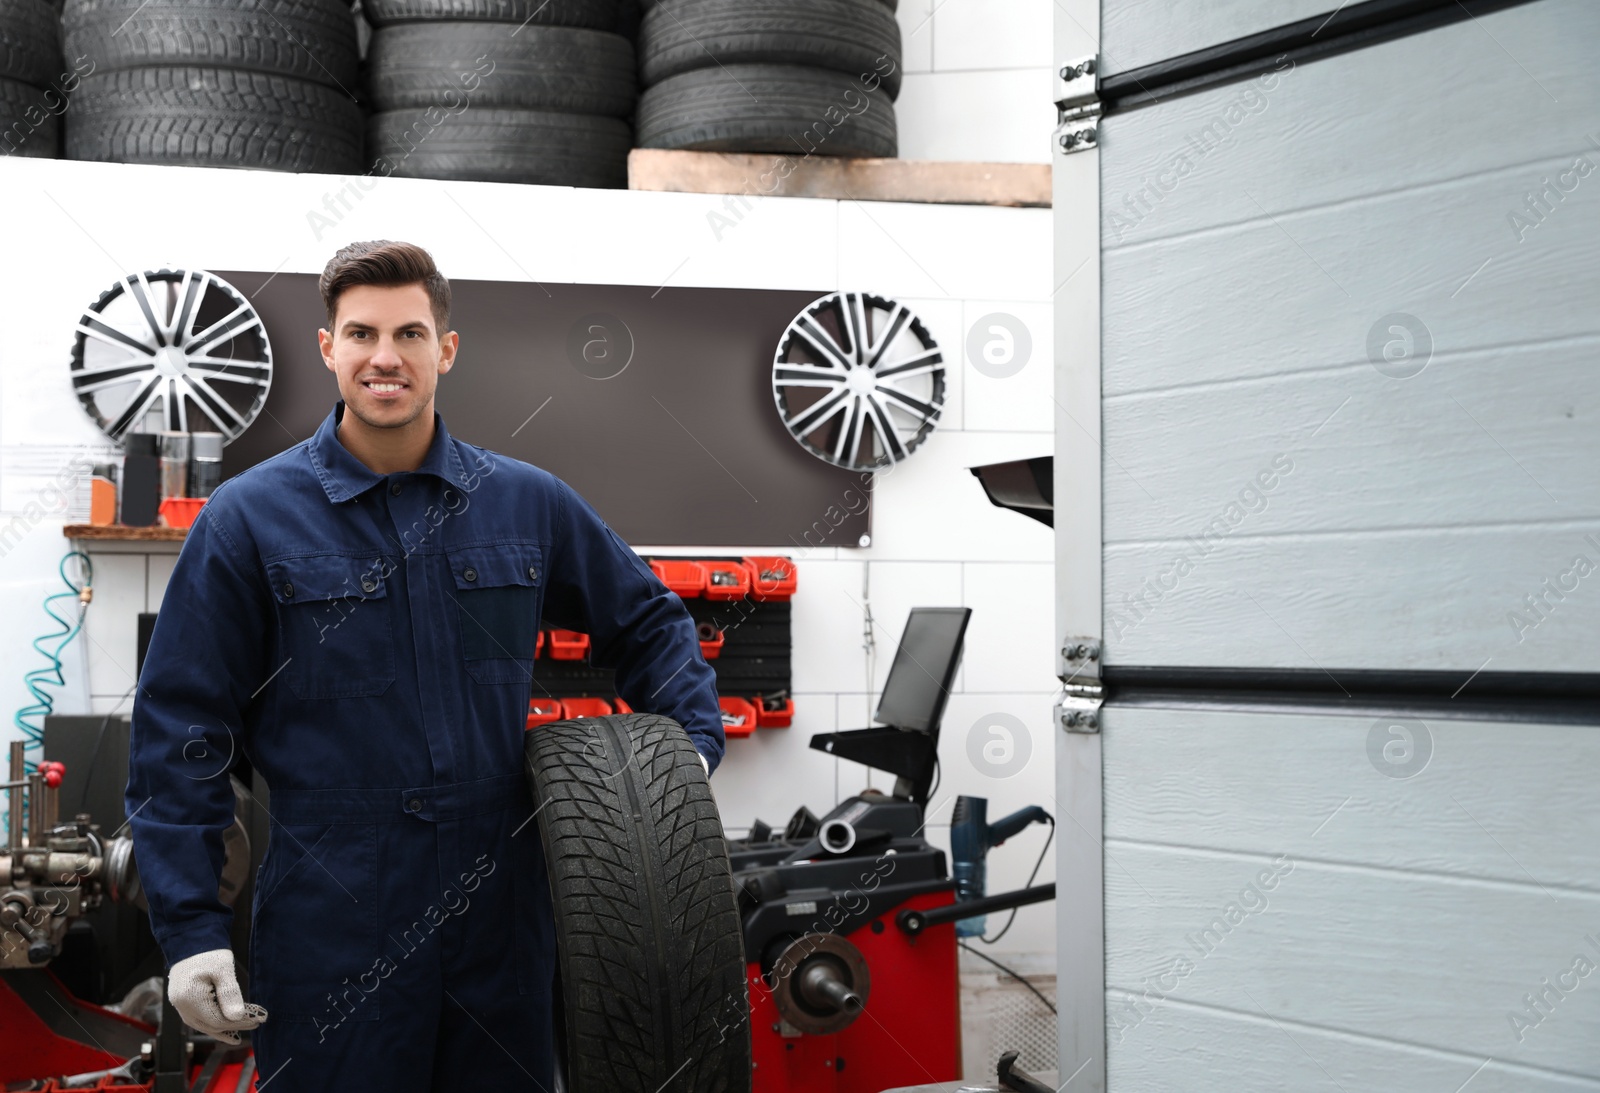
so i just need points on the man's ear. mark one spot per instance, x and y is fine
(448, 345)
(325, 343)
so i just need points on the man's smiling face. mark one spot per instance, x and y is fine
(386, 353)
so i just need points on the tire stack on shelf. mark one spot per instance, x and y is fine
(531, 91)
(216, 83)
(33, 84)
(794, 77)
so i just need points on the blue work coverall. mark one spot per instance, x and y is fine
(367, 641)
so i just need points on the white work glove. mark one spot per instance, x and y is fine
(205, 992)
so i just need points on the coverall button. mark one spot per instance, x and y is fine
(533, 573)
(395, 489)
(288, 589)
(469, 573)
(369, 585)
(415, 804)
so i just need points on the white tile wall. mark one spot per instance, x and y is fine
(1001, 115)
(991, 34)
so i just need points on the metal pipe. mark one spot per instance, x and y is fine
(35, 809)
(14, 799)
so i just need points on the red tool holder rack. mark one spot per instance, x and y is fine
(741, 608)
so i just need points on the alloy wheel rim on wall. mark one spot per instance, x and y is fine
(858, 380)
(183, 344)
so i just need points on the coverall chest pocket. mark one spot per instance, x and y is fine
(498, 592)
(338, 634)
(316, 951)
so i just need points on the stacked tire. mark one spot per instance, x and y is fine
(33, 85)
(530, 91)
(798, 77)
(267, 84)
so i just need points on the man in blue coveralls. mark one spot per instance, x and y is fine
(357, 615)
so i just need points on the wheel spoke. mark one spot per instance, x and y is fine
(916, 364)
(136, 408)
(92, 326)
(139, 292)
(221, 329)
(896, 322)
(849, 439)
(177, 409)
(239, 325)
(854, 306)
(221, 368)
(806, 327)
(808, 419)
(886, 430)
(194, 290)
(113, 376)
(215, 407)
(923, 410)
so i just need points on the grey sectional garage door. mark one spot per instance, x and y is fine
(1351, 568)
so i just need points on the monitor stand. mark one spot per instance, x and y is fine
(910, 756)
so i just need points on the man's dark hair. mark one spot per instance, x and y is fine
(385, 262)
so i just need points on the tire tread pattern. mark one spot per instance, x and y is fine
(783, 109)
(20, 134)
(569, 69)
(307, 39)
(652, 959)
(538, 147)
(214, 117)
(30, 42)
(596, 14)
(851, 36)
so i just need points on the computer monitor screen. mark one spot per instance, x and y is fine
(924, 668)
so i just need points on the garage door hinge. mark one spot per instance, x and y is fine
(1077, 105)
(1079, 708)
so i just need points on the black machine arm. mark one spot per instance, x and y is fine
(914, 922)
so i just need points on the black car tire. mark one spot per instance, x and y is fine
(651, 951)
(786, 109)
(541, 147)
(30, 42)
(851, 36)
(214, 117)
(29, 127)
(569, 69)
(596, 14)
(311, 40)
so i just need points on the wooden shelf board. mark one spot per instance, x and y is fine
(1024, 185)
(124, 534)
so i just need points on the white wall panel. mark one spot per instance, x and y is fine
(1301, 290)
(1223, 155)
(1184, 1048)
(1141, 32)
(1488, 435)
(1452, 599)
(1408, 917)
(1493, 802)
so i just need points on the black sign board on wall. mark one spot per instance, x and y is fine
(653, 403)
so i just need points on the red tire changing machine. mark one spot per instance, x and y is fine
(850, 920)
